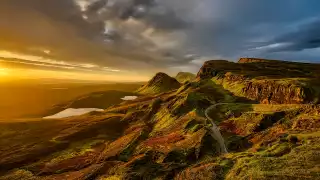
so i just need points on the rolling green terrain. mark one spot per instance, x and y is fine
(267, 112)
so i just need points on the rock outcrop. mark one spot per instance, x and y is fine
(251, 60)
(266, 81)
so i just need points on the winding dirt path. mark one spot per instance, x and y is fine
(215, 132)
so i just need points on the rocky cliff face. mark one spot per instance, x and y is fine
(271, 92)
(266, 81)
(251, 60)
(213, 68)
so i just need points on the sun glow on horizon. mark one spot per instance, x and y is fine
(4, 71)
(44, 61)
(17, 73)
(58, 69)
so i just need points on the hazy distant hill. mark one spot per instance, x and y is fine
(185, 76)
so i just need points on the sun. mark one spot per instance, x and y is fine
(4, 71)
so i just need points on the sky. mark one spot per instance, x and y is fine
(130, 40)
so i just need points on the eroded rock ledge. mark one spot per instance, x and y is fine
(266, 81)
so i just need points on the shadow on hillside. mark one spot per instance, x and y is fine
(228, 96)
(23, 143)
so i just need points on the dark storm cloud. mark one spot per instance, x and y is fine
(59, 11)
(151, 12)
(233, 27)
(59, 26)
(161, 33)
(305, 36)
(53, 24)
(96, 6)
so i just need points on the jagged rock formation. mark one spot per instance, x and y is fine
(161, 82)
(266, 81)
(182, 77)
(250, 60)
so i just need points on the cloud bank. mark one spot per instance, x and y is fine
(167, 35)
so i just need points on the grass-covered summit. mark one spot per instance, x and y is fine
(185, 76)
(161, 82)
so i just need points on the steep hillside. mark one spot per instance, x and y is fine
(161, 82)
(185, 76)
(175, 135)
